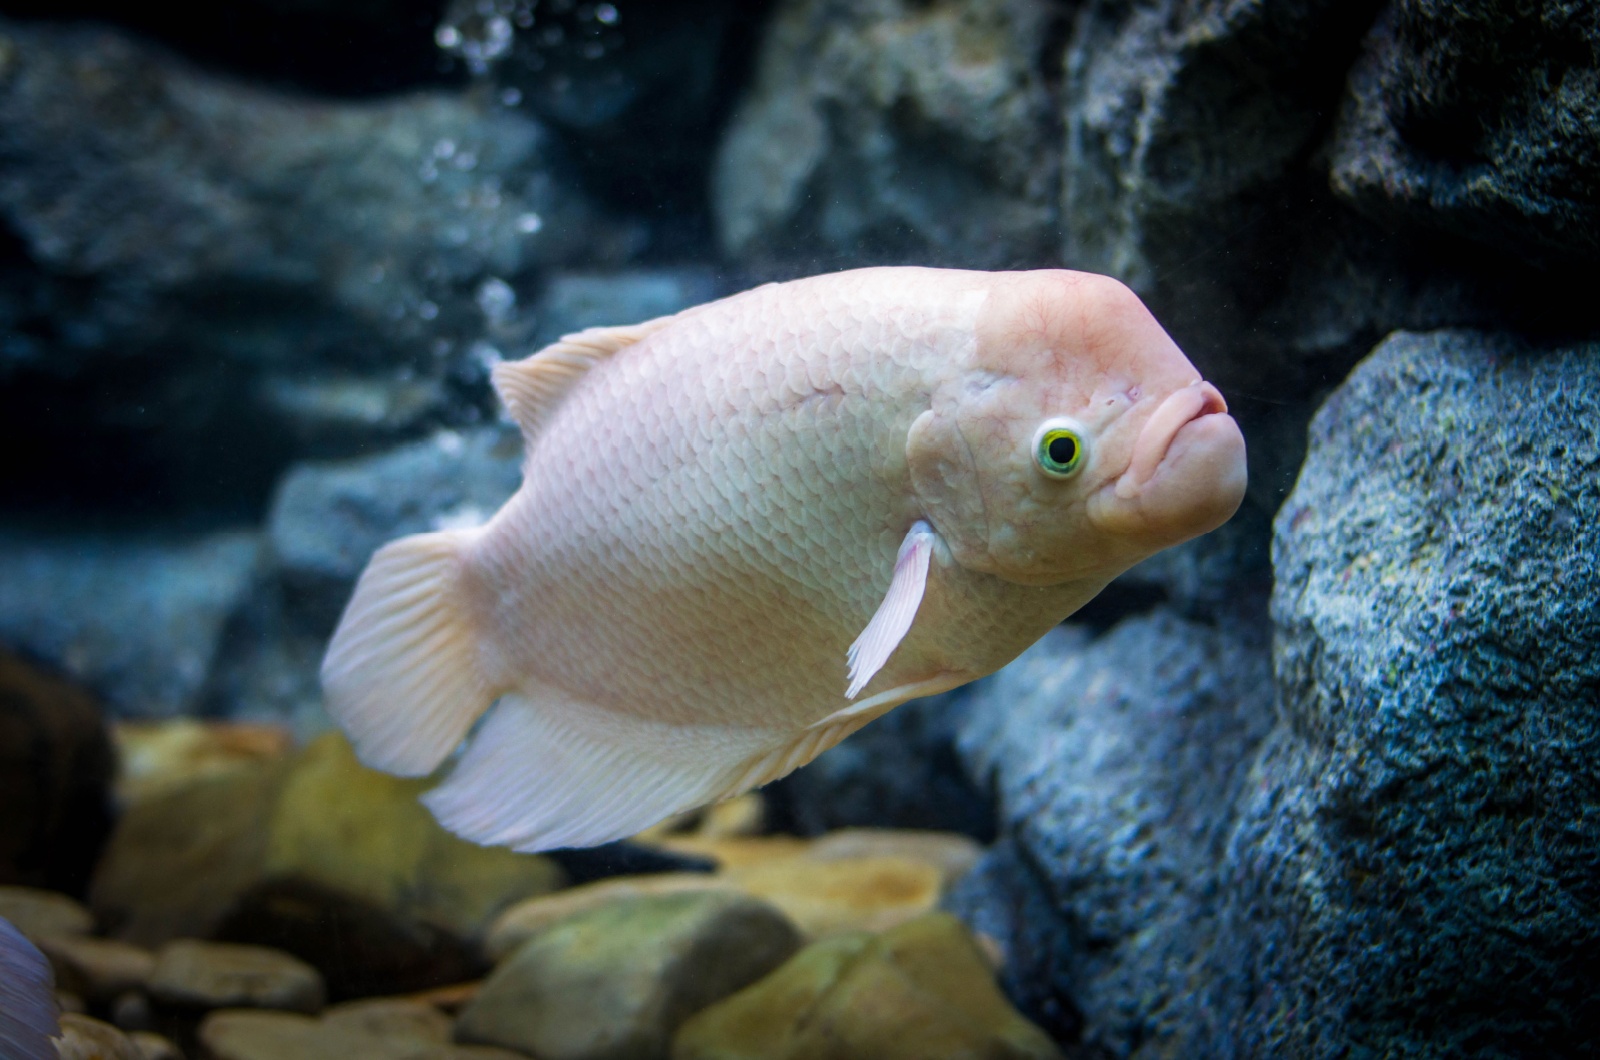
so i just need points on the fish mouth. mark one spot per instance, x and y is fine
(1173, 417)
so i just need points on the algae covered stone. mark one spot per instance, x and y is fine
(614, 983)
(922, 991)
(364, 833)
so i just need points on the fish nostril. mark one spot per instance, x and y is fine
(1213, 401)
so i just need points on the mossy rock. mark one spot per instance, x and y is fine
(922, 991)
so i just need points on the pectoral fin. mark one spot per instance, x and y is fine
(894, 616)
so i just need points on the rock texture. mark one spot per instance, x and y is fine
(55, 779)
(1416, 858)
(894, 130)
(195, 258)
(1117, 761)
(193, 974)
(137, 616)
(920, 991)
(1481, 119)
(615, 982)
(317, 856)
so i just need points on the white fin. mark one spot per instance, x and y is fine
(28, 1018)
(894, 616)
(401, 676)
(547, 771)
(531, 388)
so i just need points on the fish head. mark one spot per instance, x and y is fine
(1077, 440)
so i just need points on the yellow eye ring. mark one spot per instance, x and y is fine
(1059, 449)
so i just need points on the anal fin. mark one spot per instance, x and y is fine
(546, 770)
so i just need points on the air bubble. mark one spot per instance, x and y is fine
(511, 97)
(496, 299)
(606, 14)
(529, 223)
(428, 310)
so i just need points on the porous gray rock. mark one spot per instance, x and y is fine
(1481, 119)
(1117, 761)
(1414, 870)
(894, 131)
(137, 616)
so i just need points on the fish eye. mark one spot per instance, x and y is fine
(1059, 449)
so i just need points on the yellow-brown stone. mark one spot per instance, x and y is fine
(921, 991)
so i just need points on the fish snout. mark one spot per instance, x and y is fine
(1187, 472)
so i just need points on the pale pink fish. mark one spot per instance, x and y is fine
(750, 528)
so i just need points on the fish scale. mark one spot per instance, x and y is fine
(727, 513)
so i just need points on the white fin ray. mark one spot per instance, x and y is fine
(28, 1015)
(401, 676)
(532, 388)
(892, 621)
(547, 771)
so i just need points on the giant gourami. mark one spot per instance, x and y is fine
(748, 529)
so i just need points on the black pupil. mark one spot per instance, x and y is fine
(1063, 449)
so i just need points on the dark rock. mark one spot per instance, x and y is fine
(55, 780)
(901, 771)
(137, 616)
(894, 131)
(1482, 119)
(344, 47)
(195, 259)
(1117, 762)
(639, 89)
(1414, 871)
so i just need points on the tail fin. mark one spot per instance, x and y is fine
(28, 1017)
(402, 675)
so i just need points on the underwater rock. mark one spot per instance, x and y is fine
(138, 616)
(152, 1046)
(844, 894)
(325, 521)
(86, 1038)
(1117, 761)
(329, 517)
(194, 974)
(894, 130)
(319, 857)
(177, 862)
(97, 970)
(901, 771)
(615, 982)
(951, 854)
(922, 990)
(1481, 119)
(161, 756)
(1413, 871)
(390, 1029)
(55, 778)
(573, 301)
(215, 278)
(40, 914)
(529, 917)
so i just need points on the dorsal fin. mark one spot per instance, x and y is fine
(531, 388)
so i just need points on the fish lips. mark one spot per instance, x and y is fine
(1187, 473)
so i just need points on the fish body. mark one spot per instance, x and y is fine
(748, 529)
(28, 1016)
